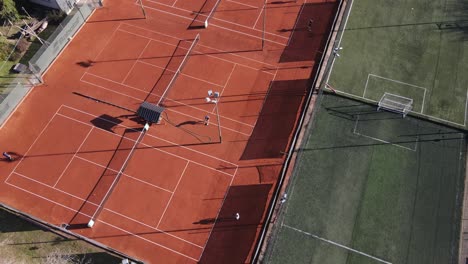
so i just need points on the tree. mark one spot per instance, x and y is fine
(8, 10)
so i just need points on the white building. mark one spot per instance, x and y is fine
(64, 5)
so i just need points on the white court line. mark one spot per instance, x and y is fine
(154, 147)
(73, 210)
(297, 21)
(133, 66)
(173, 5)
(47, 199)
(214, 18)
(217, 215)
(34, 142)
(226, 128)
(124, 174)
(239, 3)
(258, 18)
(339, 41)
(146, 92)
(201, 45)
(267, 94)
(198, 52)
(107, 209)
(105, 45)
(224, 87)
(147, 240)
(74, 155)
(52, 187)
(110, 90)
(214, 25)
(174, 144)
(159, 230)
(381, 140)
(183, 74)
(172, 195)
(336, 244)
(112, 81)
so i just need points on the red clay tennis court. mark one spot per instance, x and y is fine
(169, 194)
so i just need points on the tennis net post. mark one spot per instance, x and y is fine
(211, 13)
(98, 211)
(179, 69)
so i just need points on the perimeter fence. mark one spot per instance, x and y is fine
(12, 94)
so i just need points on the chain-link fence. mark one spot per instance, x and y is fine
(14, 92)
(44, 57)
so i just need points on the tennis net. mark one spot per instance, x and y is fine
(117, 177)
(179, 69)
(211, 13)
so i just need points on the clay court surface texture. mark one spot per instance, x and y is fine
(177, 198)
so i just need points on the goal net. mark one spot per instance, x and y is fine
(395, 103)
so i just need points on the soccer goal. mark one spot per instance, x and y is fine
(395, 103)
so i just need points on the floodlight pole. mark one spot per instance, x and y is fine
(219, 124)
(142, 8)
(213, 97)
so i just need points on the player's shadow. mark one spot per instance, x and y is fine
(306, 44)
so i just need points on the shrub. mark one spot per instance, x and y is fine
(22, 46)
(8, 10)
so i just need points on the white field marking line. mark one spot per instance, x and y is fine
(297, 21)
(339, 41)
(198, 52)
(172, 195)
(201, 45)
(124, 174)
(174, 144)
(73, 210)
(161, 231)
(224, 87)
(424, 115)
(336, 244)
(173, 5)
(74, 155)
(34, 142)
(396, 81)
(105, 45)
(183, 74)
(381, 140)
(214, 25)
(147, 240)
(239, 3)
(133, 66)
(146, 92)
(229, 22)
(217, 215)
(226, 128)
